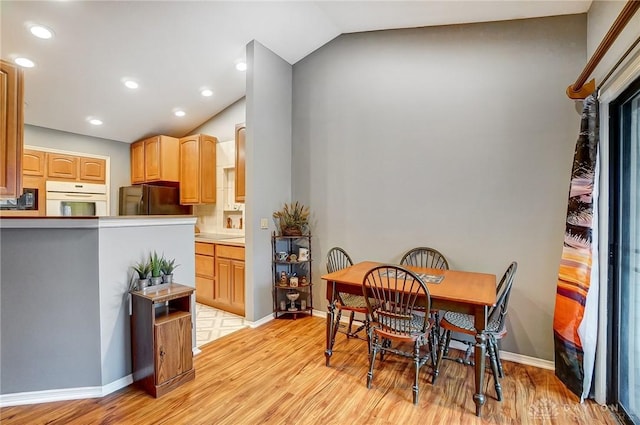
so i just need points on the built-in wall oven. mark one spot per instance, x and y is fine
(76, 199)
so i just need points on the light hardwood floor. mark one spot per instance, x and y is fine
(276, 374)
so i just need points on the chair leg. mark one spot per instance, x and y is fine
(445, 338)
(372, 359)
(416, 361)
(447, 342)
(349, 335)
(367, 327)
(497, 349)
(494, 367)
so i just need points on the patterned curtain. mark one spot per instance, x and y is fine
(576, 310)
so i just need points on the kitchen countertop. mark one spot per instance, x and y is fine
(233, 240)
(90, 222)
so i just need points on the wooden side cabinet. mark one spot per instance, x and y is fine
(11, 129)
(198, 169)
(240, 164)
(161, 339)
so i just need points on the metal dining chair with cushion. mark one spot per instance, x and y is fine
(496, 329)
(401, 298)
(338, 259)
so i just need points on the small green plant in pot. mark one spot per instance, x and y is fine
(142, 269)
(155, 262)
(168, 266)
(292, 219)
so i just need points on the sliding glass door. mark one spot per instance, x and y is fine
(625, 250)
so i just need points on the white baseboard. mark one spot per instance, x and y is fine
(196, 351)
(514, 357)
(34, 397)
(260, 322)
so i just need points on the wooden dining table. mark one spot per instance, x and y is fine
(461, 291)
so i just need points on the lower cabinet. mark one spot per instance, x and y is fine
(161, 338)
(220, 276)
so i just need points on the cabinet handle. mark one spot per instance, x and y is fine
(162, 353)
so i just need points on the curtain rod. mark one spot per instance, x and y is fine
(580, 90)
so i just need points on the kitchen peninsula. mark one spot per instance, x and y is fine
(64, 303)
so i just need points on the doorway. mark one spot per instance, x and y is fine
(624, 279)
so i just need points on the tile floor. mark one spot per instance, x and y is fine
(212, 324)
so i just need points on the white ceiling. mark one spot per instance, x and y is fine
(175, 48)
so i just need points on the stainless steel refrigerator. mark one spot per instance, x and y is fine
(147, 199)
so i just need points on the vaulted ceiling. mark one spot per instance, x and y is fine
(174, 49)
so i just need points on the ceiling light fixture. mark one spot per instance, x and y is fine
(206, 92)
(94, 121)
(179, 113)
(131, 84)
(241, 66)
(24, 62)
(41, 31)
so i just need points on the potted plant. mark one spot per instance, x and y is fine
(168, 266)
(292, 219)
(155, 262)
(142, 268)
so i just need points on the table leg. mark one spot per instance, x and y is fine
(330, 324)
(480, 353)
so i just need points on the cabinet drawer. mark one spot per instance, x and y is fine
(204, 266)
(204, 248)
(233, 252)
(204, 289)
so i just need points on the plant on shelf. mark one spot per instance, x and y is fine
(155, 262)
(167, 268)
(292, 219)
(142, 268)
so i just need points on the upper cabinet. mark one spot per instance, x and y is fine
(198, 169)
(240, 167)
(155, 160)
(33, 163)
(77, 168)
(11, 129)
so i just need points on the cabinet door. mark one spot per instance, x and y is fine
(11, 129)
(208, 189)
(61, 166)
(173, 354)
(222, 286)
(189, 170)
(33, 163)
(237, 293)
(93, 170)
(169, 164)
(137, 162)
(240, 167)
(152, 159)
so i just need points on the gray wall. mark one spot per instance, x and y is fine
(268, 162)
(49, 324)
(117, 151)
(459, 137)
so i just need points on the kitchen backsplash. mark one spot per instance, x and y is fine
(226, 216)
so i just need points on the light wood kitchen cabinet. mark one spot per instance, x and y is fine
(33, 163)
(11, 129)
(240, 165)
(161, 338)
(75, 168)
(205, 260)
(229, 282)
(60, 166)
(198, 169)
(155, 160)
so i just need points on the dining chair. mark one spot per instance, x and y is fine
(401, 298)
(430, 258)
(496, 329)
(338, 259)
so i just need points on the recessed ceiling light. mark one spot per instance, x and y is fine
(241, 66)
(131, 84)
(179, 113)
(41, 32)
(95, 121)
(206, 92)
(24, 62)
